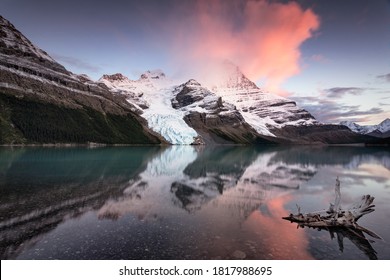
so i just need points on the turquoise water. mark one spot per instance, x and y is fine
(185, 202)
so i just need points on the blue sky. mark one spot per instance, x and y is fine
(338, 70)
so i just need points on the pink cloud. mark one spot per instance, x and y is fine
(262, 37)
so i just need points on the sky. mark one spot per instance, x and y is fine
(331, 56)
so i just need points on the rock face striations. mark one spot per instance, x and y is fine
(264, 110)
(42, 102)
(213, 119)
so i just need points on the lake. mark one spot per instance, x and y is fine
(187, 202)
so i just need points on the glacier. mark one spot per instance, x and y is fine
(153, 92)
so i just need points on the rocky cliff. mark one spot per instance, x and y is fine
(42, 102)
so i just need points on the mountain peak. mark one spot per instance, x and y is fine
(192, 83)
(155, 74)
(4, 21)
(354, 126)
(385, 122)
(118, 77)
(230, 77)
(384, 126)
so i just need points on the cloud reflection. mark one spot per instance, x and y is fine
(213, 202)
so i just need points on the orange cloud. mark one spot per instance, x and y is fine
(262, 37)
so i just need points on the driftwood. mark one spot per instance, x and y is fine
(342, 222)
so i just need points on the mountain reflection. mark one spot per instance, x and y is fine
(242, 175)
(221, 189)
(41, 188)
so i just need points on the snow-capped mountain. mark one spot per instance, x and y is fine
(118, 83)
(54, 105)
(182, 113)
(358, 128)
(214, 119)
(57, 106)
(229, 76)
(384, 126)
(222, 111)
(379, 130)
(262, 110)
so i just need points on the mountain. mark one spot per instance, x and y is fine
(276, 116)
(212, 118)
(230, 109)
(184, 113)
(15, 45)
(42, 102)
(381, 130)
(262, 110)
(152, 93)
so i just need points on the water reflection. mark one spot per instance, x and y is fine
(41, 188)
(182, 202)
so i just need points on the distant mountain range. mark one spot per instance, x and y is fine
(381, 130)
(42, 102)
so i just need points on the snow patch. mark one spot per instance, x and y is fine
(258, 123)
